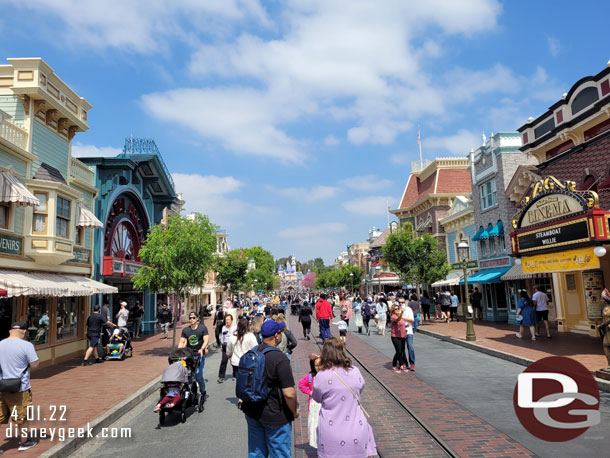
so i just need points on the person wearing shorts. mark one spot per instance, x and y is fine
(95, 324)
(17, 357)
(541, 301)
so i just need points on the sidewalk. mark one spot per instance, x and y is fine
(89, 391)
(501, 336)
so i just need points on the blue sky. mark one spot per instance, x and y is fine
(291, 123)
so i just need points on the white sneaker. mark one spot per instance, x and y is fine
(519, 336)
(27, 445)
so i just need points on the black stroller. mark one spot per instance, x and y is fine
(294, 308)
(125, 351)
(186, 381)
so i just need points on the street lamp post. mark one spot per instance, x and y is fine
(378, 269)
(351, 277)
(464, 254)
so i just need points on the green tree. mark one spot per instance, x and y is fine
(262, 258)
(232, 271)
(177, 256)
(264, 280)
(416, 259)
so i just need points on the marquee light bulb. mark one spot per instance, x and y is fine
(599, 251)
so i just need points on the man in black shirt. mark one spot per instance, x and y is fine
(196, 338)
(269, 422)
(95, 324)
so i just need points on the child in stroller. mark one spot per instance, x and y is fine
(119, 344)
(179, 388)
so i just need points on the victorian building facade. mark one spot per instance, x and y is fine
(563, 224)
(492, 167)
(136, 192)
(46, 225)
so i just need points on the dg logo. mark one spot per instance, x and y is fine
(556, 399)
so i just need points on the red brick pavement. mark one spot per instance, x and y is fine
(465, 433)
(396, 434)
(89, 391)
(501, 336)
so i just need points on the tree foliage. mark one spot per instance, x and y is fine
(177, 256)
(309, 280)
(416, 259)
(262, 258)
(264, 280)
(340, 278)
(232, 270)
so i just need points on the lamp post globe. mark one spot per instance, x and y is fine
(463, 255)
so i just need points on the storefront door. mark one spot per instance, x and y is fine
(574, 293)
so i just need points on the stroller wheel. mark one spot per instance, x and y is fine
(161, 417)
(201, 404)
(183, 416)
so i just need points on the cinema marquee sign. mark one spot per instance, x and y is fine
(549, 208)
(554, 236)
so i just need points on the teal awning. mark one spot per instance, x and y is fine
(485, 234)
(476, 237)
(498, 230)
(487, 276)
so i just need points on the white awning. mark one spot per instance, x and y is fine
(86, 218)
(452, 279)
(96, 286)
(12, 190)
(18, 283)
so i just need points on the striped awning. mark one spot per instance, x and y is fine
(17, 283)
(86, 218)
(452, 279)
(516, 273)
(96, 286)
(12, 190)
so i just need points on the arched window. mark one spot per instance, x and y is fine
(584, 98)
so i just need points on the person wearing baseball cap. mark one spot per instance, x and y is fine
(17, 357)
(123, 316)
(270, 422)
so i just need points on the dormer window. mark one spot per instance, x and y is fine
(584, 98)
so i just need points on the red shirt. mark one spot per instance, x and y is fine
(324, 311)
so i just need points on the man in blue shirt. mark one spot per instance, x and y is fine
(454, 306)
(17, 357)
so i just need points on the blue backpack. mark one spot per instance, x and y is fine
(251, 383)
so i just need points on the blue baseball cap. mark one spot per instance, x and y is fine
(271, 327)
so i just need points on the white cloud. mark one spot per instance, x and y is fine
(458, 144)
(214, 196)
(331, 140)
(369, 206)
(366, 183)
(81, 150)
(243, 120)
(312, 230)
(142, 26)
(554, 46)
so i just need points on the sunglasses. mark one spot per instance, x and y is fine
(192, 317)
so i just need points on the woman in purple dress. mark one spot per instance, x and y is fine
(343, 430)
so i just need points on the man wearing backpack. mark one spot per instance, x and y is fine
(265, 385)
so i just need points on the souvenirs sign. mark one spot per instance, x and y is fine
(10, 244)
(579, 259)
(554, 236)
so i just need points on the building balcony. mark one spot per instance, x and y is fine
(49, 250)
(13, 134)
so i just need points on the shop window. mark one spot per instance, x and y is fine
(79, 236)
(501, 244)
(492, 245)
(483, 247)
(487, 192)
(571, 282)
(500, 296)
(38, 320)
(4, 214)
(63, 217)
(8, 315)
(39, 222)
(489, 296)
(67, 317)
(546, 285)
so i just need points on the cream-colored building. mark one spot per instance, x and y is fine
(46, 223)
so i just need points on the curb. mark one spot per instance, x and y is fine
(603, 385)
(68, 447)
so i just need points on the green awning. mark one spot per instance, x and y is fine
(485, 234)
(476, 237)
(498, 230)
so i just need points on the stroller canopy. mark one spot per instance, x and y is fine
(175, 373)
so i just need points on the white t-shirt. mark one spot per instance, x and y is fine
(238, 350)
(407, 312)
(541, 300)
(122, 317)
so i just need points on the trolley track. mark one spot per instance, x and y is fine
(443, 447)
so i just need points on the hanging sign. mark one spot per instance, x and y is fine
(579, 259)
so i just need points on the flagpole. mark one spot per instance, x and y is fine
(388, 205)
(421, 161)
